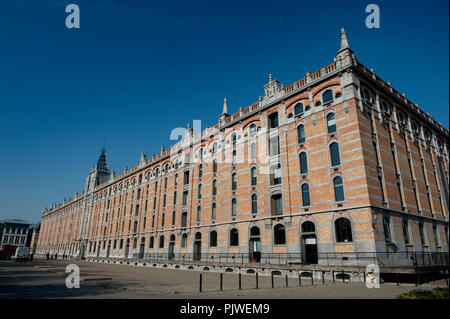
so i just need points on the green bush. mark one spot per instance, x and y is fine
(435, 293)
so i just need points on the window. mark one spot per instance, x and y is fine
(327, 96)
(366, 95)
(400, 117)
(184, 241)
(387, 229)
(213, 211)
(175, 197)
(214, 187)
(252, 128)
(276, 174)
(308, 227)
(254, 204)
(183, 219)
(161, 242)
(301, 133)
(233, 138)
(334, 150)
(253, 151)
(331, 123)
(274, 146)
(234, 237)
(151, 242)
(385, 107)
(199, 191)
(279, 235)
(176, 179)
(422, 238)
(214, 147)
(163, 217)
(186, 178)
(215, 166)
(199, 213)
(338, 189)
(213, 239)
(164, 200)
(298, 109)
(234, 157)
(343, 230)
(253, 176)
(200, 170)
(233, 207)
(435, 235)
(305, 195)
(173, 217)
(277, 204)
(233, 181)
(185, 198)
(165, 182)
(405, 229)
(303, 163)
(273, 120)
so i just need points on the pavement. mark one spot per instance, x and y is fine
(47, 279)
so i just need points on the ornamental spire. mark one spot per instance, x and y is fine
(225, 108)
(344, 41)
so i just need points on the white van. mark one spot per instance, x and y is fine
(21, 254)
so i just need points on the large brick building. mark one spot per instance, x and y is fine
(337, 162)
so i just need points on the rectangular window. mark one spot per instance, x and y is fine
(274, 146)
(184, 219)
(185, 198)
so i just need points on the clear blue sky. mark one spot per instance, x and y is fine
(138, 69)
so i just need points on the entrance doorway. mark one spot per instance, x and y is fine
(254, 245)
(309, 243)
(109, 249)
(127, 248)
(141, 248)
(198, 246)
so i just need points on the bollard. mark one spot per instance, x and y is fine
(287, 283)
(200, 286)
(299, 280)
(221, 281)
(396, 278)
(239, 281)
(271, 275)
(256, 280)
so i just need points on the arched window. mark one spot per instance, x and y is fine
(301, 133)
(151, 242)
(252, 128)
(277, 204)
(253, 175)
(234, 237)
(387, 229)
(305, 195)
(334, 151)
(233, 138)
(253, 151)
(273, 120)
(184, 241)
(343, 230)
(234, 157)
(254, 204)
(327, 96)
(233, 181)
(233, 207)
(331, 123)
(308, 227)
(213, 212)
(163, 217)
(213, 239)
(254, 231)
(161, 242)
(338, 189)
(214, 187)
(405, 229)
(298, 109)
(214, 147)
(303, 163)
(279, 235)
(199, 191)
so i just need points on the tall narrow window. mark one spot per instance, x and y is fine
(303, 163)
(175, 197)
(274, 146)
(253, 151)
(252, 129)
(213, 239)
(331, 123)
(233, 138)
(214, 187)
(305, 195)
(173, 217)
(183, 219)
(199, 191)
(422, 237)
(215, 166)
(338, 189)
(163, 217)
(184, 241)
(387, 229)
(199, 213)
(405, 229)
(233, 207)
(234, 157)
(276, 174)
(334, 150)
(213, 211)
(279, 235)
(234, 237)
(435, 235)
(161, 242)
(298, 109)
(200, 170)
(273, 120)
(343, 230)
(301, 133)
(253, 175)
(233, 181)
(254, 204)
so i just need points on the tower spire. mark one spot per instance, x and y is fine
(225, 107)
(344, 41)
